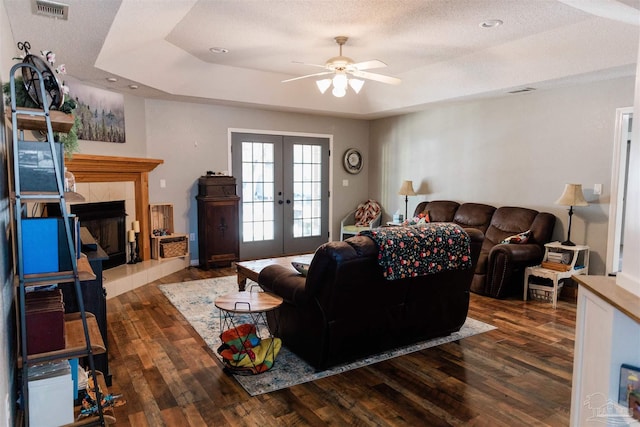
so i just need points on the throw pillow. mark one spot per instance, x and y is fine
(518, 238)
(422, 218)
(366, 212)
(301, 267)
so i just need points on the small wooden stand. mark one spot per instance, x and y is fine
(165, 243)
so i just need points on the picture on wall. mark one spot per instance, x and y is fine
(101, 113)
(629, 394)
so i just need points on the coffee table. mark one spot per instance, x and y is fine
(251, 269)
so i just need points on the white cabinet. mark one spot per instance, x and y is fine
(607, 336)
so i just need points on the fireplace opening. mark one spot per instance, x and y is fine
(106, 223)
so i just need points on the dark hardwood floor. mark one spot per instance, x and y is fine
(516, 375)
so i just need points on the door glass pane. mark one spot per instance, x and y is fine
(306, 184)
(257, 191)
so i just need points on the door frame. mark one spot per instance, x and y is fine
(616, 205)
(231, 131)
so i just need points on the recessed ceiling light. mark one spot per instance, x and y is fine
(112, 79)
(133, 87)
(491, 23)
(218, 50)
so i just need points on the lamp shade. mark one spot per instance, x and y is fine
(572, 196)
(407, 189)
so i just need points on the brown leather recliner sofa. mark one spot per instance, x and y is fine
(500, 268)
(345, 308)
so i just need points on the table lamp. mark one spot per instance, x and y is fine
(406, 190)
(572, 196)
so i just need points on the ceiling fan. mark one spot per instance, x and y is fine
(346, 73)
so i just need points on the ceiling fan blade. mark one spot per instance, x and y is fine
(367, 65)
(308, 75)
(377, 77)
(311, 65)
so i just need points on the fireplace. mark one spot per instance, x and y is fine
(106, 223)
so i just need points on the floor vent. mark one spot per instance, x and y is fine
(526, 89)
(51, 8)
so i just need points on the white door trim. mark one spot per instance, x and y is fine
(619, 160)
(230, 131)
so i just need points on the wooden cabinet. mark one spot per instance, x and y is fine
(218, 221)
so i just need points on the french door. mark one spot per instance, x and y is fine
(284, 189)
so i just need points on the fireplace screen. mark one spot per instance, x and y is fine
(106, 222)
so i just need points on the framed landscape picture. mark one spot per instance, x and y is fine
(101, 113)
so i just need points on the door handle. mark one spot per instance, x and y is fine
(280, 202)
(288, 201)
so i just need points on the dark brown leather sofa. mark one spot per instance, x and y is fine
(345, 309)
(500, 268)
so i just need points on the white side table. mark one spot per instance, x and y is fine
(578, 265)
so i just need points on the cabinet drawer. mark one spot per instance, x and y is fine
(217, 186)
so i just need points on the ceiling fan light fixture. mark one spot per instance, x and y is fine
(345, 73)
(356, 85)
(340, 81)
(339, 92)
(323, 85)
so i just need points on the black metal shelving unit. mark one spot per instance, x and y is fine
(83, 339)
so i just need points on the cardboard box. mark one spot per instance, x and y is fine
(51, 399)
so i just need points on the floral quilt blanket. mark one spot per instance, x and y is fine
(421, 250)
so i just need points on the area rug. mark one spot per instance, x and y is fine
(195, 301)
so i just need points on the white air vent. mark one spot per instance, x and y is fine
(51, 8)
(526, 89)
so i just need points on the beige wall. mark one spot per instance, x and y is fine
(517, 150)
(194, 138)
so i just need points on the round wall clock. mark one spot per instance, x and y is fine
(353, 161)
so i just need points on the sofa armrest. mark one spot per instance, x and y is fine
(527, 253)
(504, 260)
(284, 282)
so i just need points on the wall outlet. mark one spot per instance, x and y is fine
(345, 182)
(192, 237)
(597, 189)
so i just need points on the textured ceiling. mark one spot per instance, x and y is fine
(436, 47)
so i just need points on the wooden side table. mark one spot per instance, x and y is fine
(254, 304)
(578, 265)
